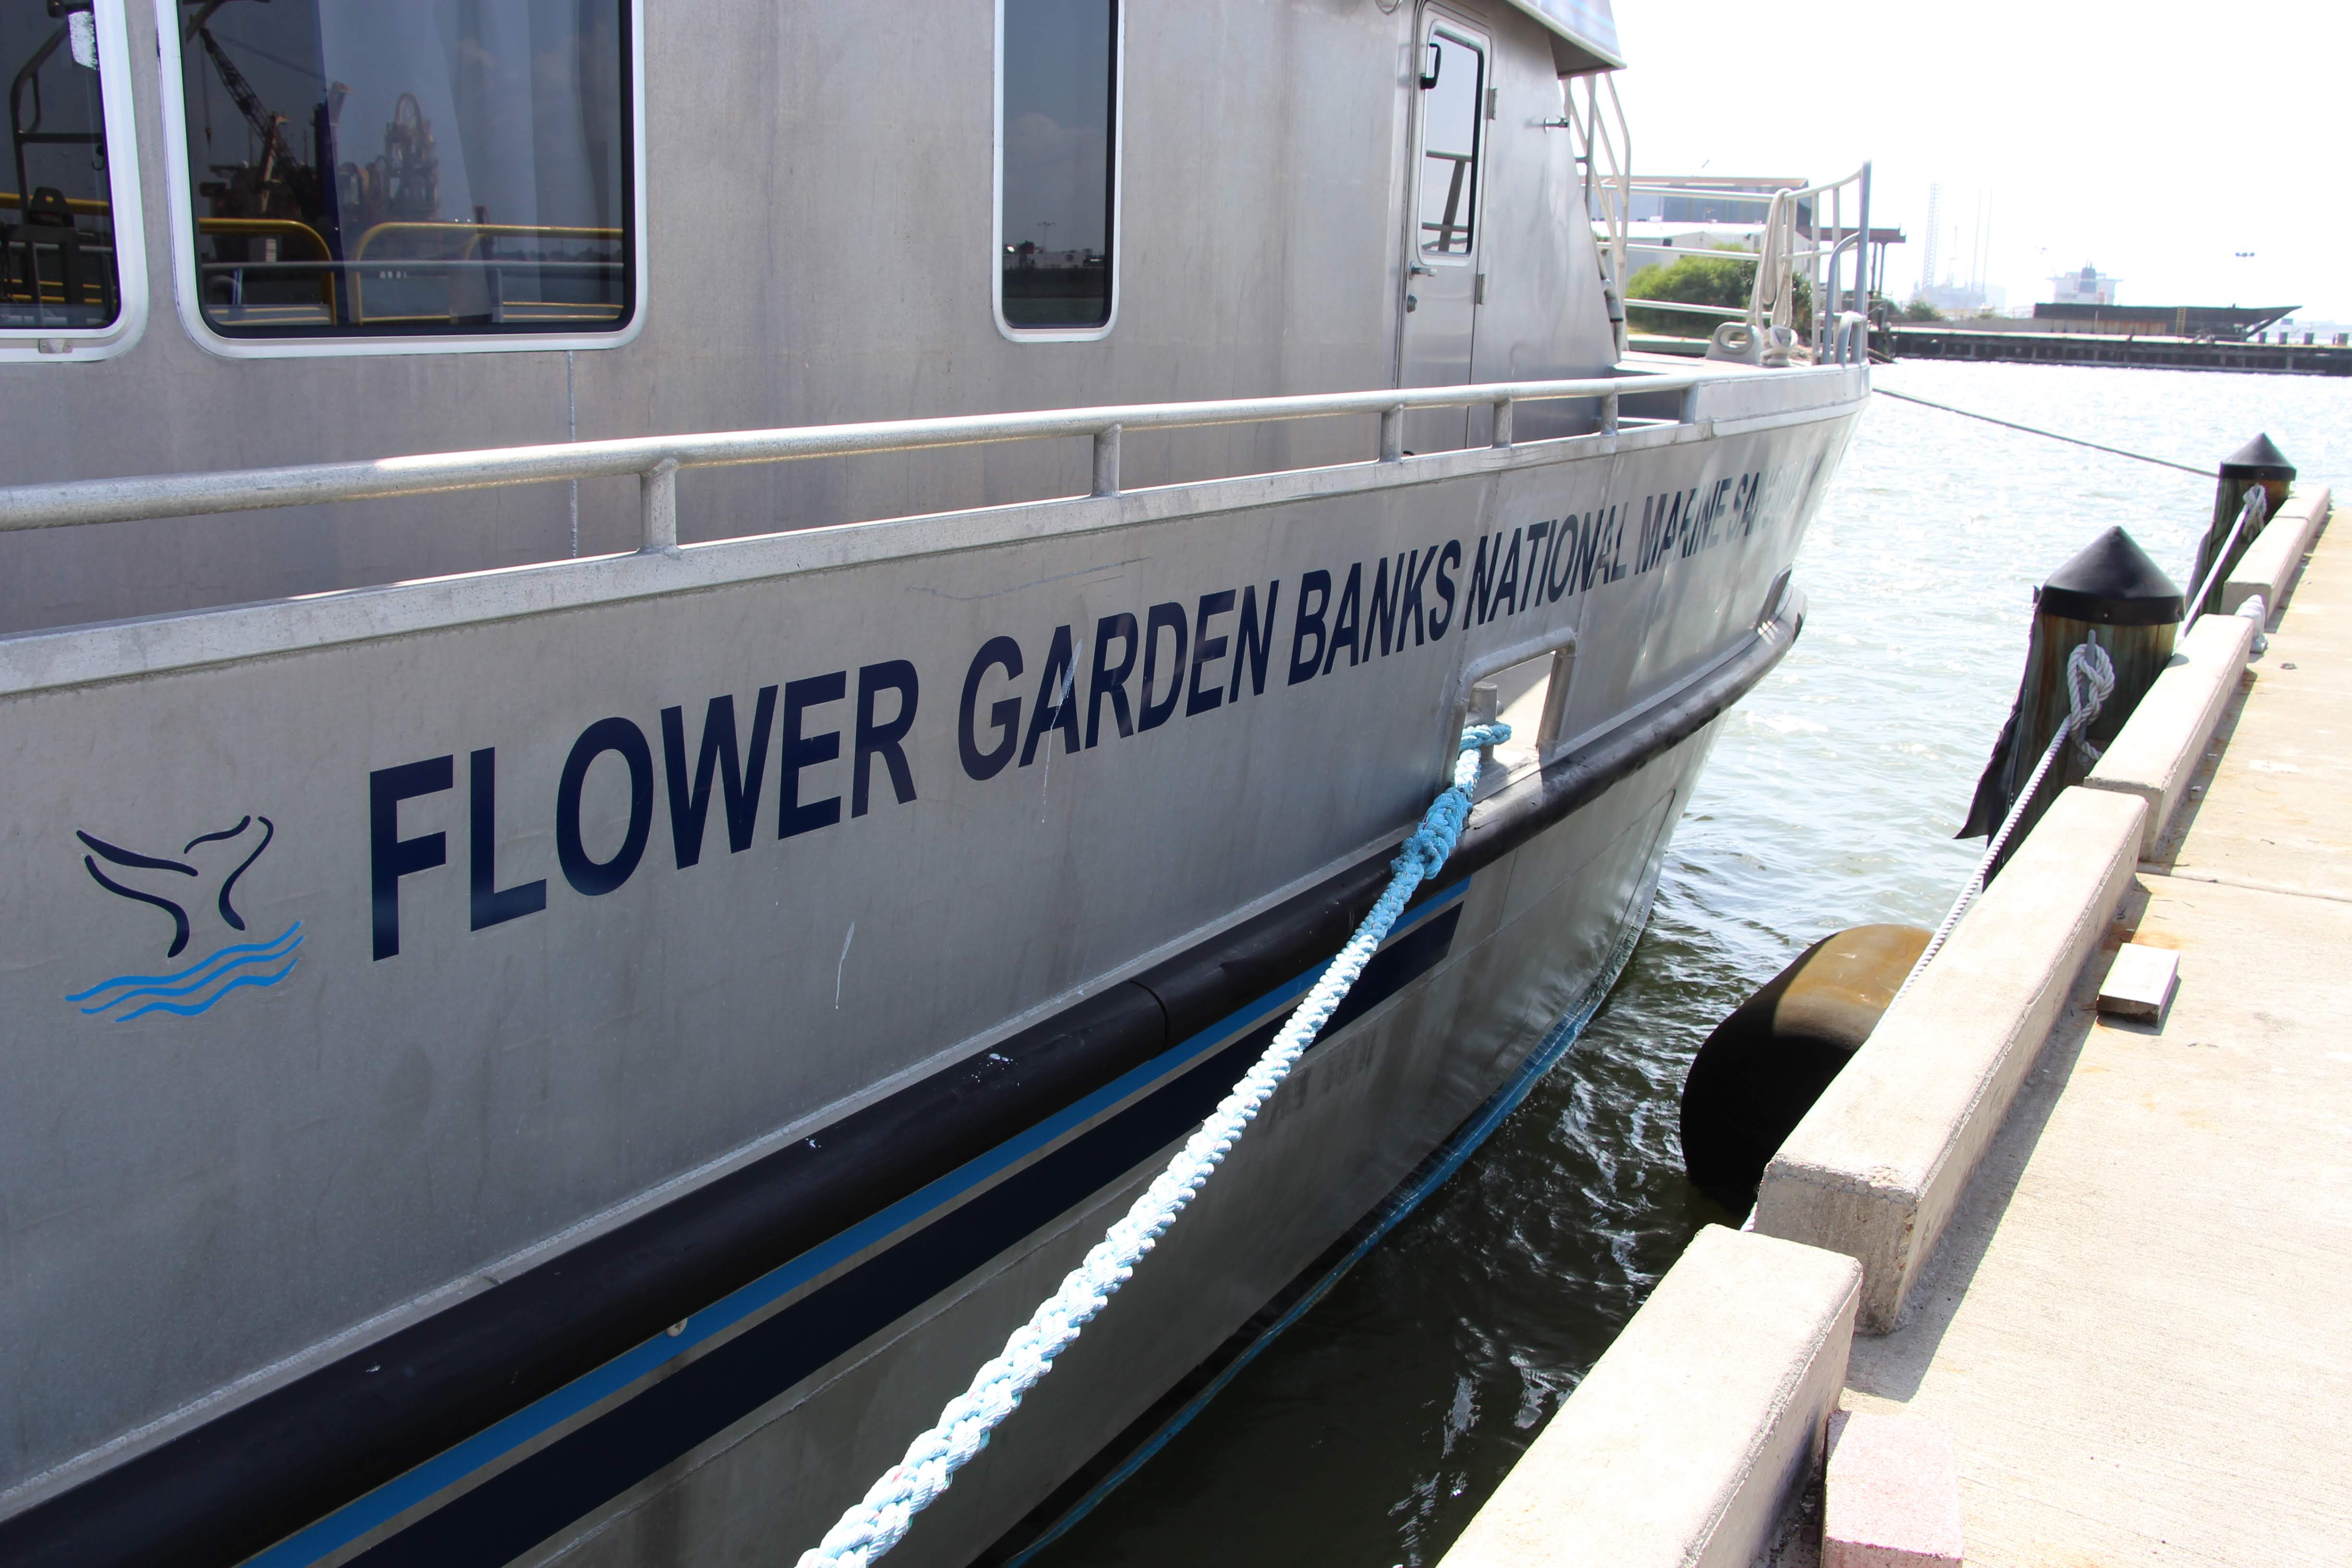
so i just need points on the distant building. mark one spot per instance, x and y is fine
(2227, 323)
(2309, 330)
(1671, 215)
(2088, 287)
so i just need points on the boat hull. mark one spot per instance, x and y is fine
(493, 959)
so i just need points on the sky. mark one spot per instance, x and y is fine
(2153, 140)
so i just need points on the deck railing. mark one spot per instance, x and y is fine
(656, 460)
(1795, 241)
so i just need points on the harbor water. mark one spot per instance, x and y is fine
(1371, 1433)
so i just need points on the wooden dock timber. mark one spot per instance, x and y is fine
(1956, 341)
(2132, 1331)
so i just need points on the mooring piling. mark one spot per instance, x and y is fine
(2112, 595)
(2258, 462)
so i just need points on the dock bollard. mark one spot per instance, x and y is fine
(2111, 594)
(2258, 462)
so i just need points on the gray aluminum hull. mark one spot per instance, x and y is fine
(510, 1003)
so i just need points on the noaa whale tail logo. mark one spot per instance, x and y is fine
(156, 880)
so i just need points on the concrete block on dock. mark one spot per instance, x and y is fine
(1690, 1436)
(1892, 1499)
(2156, 753)
(2139, 983)
(2269, 564)
(1878, 1166)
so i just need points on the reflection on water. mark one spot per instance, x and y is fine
(1371, 1432)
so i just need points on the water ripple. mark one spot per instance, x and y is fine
(1371, 1432)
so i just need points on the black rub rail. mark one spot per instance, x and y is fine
(228, 1487)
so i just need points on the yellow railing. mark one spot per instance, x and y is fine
(474, 233)
(73, 204)
(284, 228)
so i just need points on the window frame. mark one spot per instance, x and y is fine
(118, 113)
(183, 237)
(1474, 36)
(1117, 161)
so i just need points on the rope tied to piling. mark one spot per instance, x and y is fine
(2252, 513)
(2050, 435)
(877, 1522)
(2090, 681)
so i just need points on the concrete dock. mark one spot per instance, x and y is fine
(2137, 1330)
(2108, 1261)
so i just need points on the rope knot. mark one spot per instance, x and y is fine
(2090, 681)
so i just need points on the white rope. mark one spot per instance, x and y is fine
(877, 1522)
(2090, 681)
(2256, 508)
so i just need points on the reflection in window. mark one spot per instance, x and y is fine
(430, 167)
(1451, 70)
(57, 227)
(1060, 64)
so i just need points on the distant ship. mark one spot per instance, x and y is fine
(950, 543)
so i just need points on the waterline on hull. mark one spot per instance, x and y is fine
(1434, 1172)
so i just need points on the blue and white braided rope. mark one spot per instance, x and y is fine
(879, 1521)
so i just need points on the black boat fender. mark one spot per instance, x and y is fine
(1765, 1065)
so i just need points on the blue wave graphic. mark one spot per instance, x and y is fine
(238, 965)
(191, 1009)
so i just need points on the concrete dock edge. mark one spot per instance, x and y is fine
(2160, 747)
(2270, 563)
(1688, 1438)
(1878, 1166)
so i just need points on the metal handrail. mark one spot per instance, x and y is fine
(1727, 313)
(1610, 191)
(1700, 192)
(1781, 261)
(656, 459)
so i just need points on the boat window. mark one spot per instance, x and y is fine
(57, 270)
(435, 168)
(1452, 86)
(1057, 134)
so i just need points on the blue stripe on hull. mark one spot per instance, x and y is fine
(537, 1496)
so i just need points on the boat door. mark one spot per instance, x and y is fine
(1444, 276)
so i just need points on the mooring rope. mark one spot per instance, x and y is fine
(2036, 430)
(2090, 681)
(2256, 507)
(877, 1522)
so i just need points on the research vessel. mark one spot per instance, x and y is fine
(508, 1056)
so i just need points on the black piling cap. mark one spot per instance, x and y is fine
(2257, 460)
(2112, 583)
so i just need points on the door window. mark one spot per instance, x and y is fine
(1057, 143)
(438, 168)
(1452, 86)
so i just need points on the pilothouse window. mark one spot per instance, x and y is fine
(57, 224)
(1453, 84)
(1057, 140)
(430, 168)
